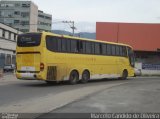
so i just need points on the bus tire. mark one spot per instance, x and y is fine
(124, 75)
(85, 76)
(74, 77)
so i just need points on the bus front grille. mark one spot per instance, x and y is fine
(51, 73)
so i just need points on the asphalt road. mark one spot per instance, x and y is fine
(36, 97)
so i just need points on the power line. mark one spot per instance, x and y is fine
(71, 24)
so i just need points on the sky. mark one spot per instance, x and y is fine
(85, 13)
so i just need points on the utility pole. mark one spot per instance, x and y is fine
(117, 32)
(71, 23)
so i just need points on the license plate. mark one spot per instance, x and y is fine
(28, 68)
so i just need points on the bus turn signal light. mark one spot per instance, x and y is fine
(41, 66)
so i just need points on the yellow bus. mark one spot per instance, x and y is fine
(51, 57)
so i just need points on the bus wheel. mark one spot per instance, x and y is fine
(85, 76)
(124, 75)
(74, 77)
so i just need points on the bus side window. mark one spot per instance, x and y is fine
(64, 45)
(120, 51)
(74, 48)
(97, 48)
(68, 45)
(59, 45)
(80, 47)
(109, 50)
(51, 43)
(93, 48)
(88, 47)
(124, 51)
(104, 51)
(84, 47)
(113, 50)
(117, 50)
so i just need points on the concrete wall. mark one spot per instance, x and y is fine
(147, 72)
(33, 17)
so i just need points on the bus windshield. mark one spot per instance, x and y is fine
(29, 40)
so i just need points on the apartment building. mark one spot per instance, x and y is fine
(24, 16)
(44, 21)
(8, 36)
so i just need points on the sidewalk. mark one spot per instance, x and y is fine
(7, 77)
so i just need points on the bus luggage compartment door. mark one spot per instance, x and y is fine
(28, 62)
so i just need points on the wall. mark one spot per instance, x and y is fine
(143, 37)
(147, 71)
(33, 17)
(7, 44)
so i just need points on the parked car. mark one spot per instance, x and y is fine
(9, 68)
(137, 72)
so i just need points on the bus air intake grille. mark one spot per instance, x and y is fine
(51, 73)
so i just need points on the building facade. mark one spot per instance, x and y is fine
(23, 15)
(143, 37)
(8, 36)
(44, 21)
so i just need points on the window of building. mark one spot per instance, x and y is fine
(26, 5)
(24, 22)
(17, 4)
(3, 33)
(24, 30)
(15, 37)
(16, 21)
(25, 14)
(8, 59)
(17, 12)
(9, 35)
(2, 60)
(49, 18)
(40, 16)
(13, 59)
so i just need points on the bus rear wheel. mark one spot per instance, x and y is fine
(85, 77)
(124, 75)
(74, 77)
